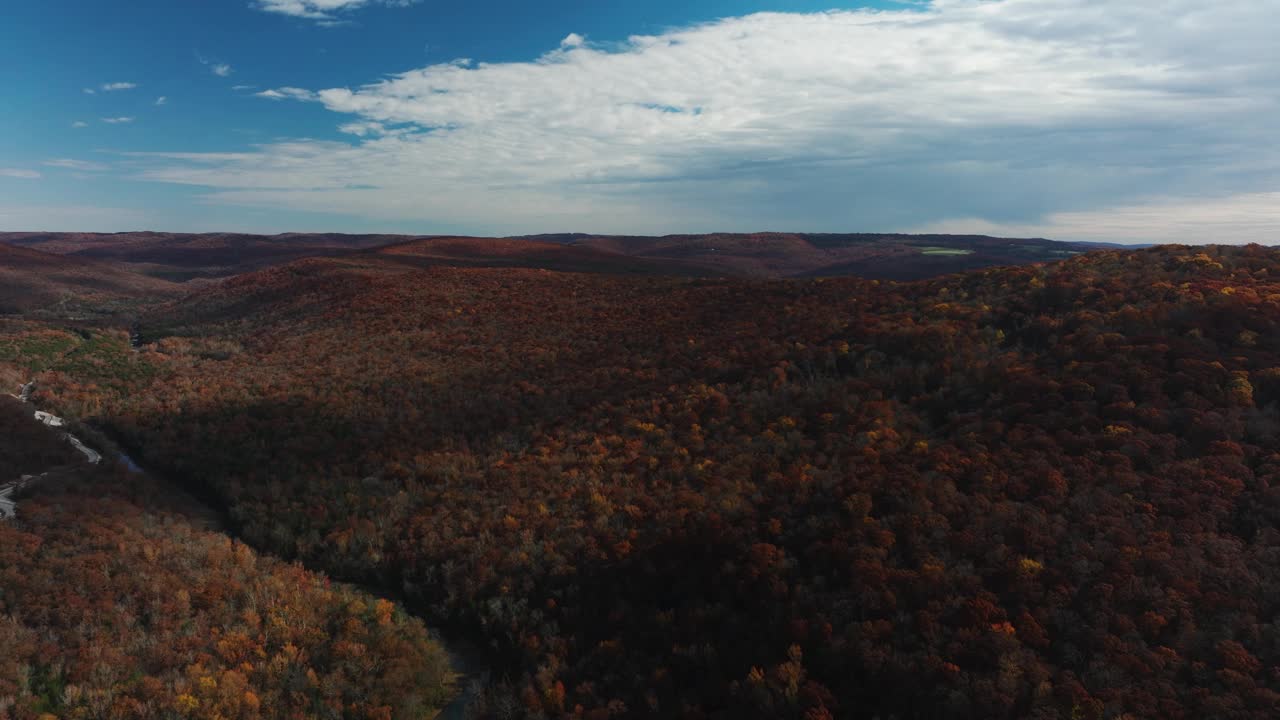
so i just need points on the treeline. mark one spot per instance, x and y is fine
(1031, 492)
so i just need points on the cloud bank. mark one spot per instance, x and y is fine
(1040, 115)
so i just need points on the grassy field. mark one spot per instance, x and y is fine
(99, 355)
(935, 250)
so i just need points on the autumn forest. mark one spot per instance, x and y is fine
(1027, 488)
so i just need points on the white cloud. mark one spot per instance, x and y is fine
(72, 164)
(79, 124)
(243, 87)
(162, 100)
(1014, 112)
(220, 69)
(90, 91)
(325, 11)
(19, 173)
(112, 87)
(286, 92)
(363, 129)
(374, 129)
(117, 120)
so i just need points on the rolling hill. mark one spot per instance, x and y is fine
(180, 257)
(33, 280)
(1042, 491)
(526, 253)
(875, 256)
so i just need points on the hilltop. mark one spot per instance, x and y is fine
(176, 256)
(871, 255)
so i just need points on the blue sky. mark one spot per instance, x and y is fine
(1077, 119)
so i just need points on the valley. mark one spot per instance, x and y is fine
(1039, 490)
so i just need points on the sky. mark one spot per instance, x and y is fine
(1136, 121)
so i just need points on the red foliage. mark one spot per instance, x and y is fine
(1025, 492)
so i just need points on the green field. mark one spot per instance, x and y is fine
(936, 250)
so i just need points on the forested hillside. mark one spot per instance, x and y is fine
(884, 256)
(36, 281)
(184, 257)
(1041, 491)
(115, 603)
